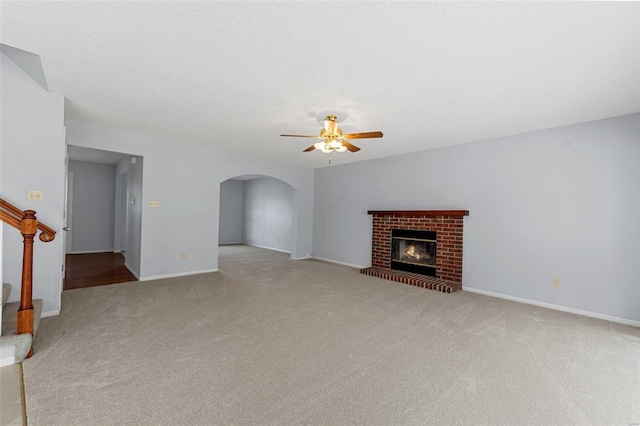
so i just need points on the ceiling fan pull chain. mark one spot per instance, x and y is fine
(329, 158)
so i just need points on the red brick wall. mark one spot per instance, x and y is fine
(448, 241)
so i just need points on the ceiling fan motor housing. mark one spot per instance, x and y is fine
(330, 125)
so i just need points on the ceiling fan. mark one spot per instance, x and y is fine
(332, 138)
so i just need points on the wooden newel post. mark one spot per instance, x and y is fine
(28, 229)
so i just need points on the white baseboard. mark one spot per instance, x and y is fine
(268, 248)
(554, 307)
(302, 258)
(179, 274)
(50, 313)
(339, 263)
(135, 274)
(230, 244)
(91, 251)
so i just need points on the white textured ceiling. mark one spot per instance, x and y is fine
(235, 75)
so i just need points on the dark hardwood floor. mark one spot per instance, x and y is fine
(89, 270)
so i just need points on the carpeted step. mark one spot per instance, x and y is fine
(10, 317)
(14, 349)
(6, 291)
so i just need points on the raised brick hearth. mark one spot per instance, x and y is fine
(448, 225)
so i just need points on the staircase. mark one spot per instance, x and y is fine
(15, 347)
(20, 319)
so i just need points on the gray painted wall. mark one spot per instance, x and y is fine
(29, 62)
(121, 202)
(135, 206)
(231, 206)
(561, 202)
(33, 151)
(1, 239)
(93, 206)
(120, 213)
(186, 180)
(268, 213)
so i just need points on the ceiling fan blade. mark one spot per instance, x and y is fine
(300, 136)
(311, 148)
(364, 135)
(350, 147)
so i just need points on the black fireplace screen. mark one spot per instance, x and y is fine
(413, 251)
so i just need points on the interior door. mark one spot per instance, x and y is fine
(68, 212)
(66, 218)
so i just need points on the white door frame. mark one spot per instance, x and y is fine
(69, 215)
(65, 219)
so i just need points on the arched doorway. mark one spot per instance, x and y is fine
(259, 211)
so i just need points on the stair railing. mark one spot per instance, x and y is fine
(25, 222)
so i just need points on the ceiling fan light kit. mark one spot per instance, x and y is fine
(333, 139)
(328, 147)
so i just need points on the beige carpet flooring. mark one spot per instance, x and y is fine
(269, 340)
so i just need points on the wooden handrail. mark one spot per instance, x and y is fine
(8, 210)
(28, 225)
(10, 219)
(11, 208)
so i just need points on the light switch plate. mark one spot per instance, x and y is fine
(154, 204)
(34, 195)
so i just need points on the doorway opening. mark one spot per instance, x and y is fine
(256, 210)
(103, 217)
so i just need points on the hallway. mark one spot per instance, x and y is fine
(94, 269)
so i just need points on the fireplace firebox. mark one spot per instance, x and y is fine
(414, 251)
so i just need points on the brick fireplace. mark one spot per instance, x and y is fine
(444, 226)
